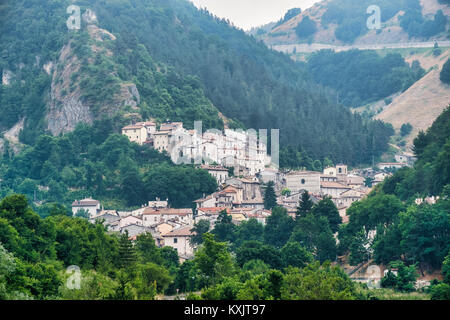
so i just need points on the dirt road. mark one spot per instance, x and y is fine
(289, 48)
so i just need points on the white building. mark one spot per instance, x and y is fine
(139, 132)
(332, 189)
(218, 172)
(90, 205)
(303, 180)
(179, 240)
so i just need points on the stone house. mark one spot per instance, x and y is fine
(303, 180)
(218, 172)
(206, 201)
(90, 205)
(129, 221)
(179, 240)
(333, 189)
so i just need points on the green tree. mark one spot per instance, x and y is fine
(326, 208)
(252, 250)
(424, 233)
(187, 277)
(305, 205)
(445, 72)
(146, 249)
(81, 213)
(404, 280)
(317, 282)
(93, 286)
(279, 226)
(224, 227)
(213, 260)
(200, 228)
(249, 230)
(127, 252)
(359, 249)
(150, 280)
(7, 268)
(294, 255)
(270, 198)
(440, 291)
(314, 234)
(306, 28)
(446, 269)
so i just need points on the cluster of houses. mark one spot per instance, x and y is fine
(239, 149)
(168, 226)
(241, 189)
(240, 197)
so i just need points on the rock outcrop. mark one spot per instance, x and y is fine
(67, 106)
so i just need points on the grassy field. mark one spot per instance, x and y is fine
(389, 294)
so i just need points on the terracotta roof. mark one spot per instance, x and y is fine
(133, 127)
(214, 210)
(181, 232)
(304, 173)
(214, 168)
(204, 199)
(162, 132)
(227, 191)
(253, 201)
(85, 202)
(352, 193)
(167, 211)
(332, 185)
(256, 215)
(328, 176)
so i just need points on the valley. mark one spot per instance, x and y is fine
(151, 150)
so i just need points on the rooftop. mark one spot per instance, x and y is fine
(181, 232)
(85, 202)
(214, 210)
(167, 211)
(332, 185)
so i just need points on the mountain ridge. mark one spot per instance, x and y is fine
(391, 31)
(186, 65)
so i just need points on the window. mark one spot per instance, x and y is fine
(303, 181)
(175, 240)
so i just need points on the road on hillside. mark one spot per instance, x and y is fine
(299, 48)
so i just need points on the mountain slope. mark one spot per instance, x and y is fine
(423, 102)
(167, 60)
(342, 22)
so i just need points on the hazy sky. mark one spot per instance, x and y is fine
(252, 13)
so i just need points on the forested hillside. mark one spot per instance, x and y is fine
(415, 234)
(361, 77)
(185, 64)
(93, 161)
(344, 22)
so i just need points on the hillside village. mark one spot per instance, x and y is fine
(240, 190)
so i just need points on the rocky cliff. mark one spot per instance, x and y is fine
(68, 104)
